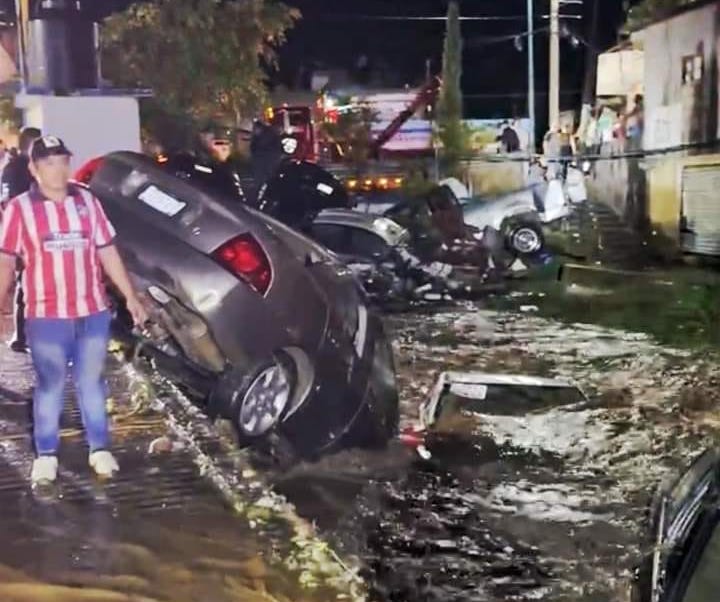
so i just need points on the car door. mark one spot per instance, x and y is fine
(683, 564)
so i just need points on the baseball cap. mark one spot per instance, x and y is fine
(48, 146)
(217, 131)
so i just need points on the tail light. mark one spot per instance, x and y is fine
(87, 171)
(244, 257)
(412, 437)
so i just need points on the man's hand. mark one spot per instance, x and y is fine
(115, 269)
(137, 311)
(7, 278)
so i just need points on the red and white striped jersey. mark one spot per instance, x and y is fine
(58, 243)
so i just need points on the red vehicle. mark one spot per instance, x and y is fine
(300, 123)
(297, 123)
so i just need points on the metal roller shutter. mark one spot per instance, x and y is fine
(701, 209)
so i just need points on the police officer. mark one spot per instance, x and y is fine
(266, 151)
(16, 180)
(209, 164)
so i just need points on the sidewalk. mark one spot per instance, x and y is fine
(159, 531)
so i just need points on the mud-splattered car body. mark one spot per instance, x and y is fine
(263, 323)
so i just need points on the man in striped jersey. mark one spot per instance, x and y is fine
(65, 241)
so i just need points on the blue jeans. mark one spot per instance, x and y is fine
(55, 344)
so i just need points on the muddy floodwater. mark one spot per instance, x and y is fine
(160, 531)
(546, 503)
(550, 503)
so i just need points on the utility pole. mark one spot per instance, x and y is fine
(592, 56)
(21, 16)
(531, 73)
(554, 97)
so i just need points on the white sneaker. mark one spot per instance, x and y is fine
(103, 463)
(44, 470)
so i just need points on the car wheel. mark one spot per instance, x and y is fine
(262, 400)
(379, 420)
(526, 239)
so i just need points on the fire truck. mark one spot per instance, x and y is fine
(402, 129)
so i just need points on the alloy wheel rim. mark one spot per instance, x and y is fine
(264, 402)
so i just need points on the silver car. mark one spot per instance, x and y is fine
(378, 250)
(265, 326)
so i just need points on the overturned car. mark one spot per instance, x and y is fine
(264, 326)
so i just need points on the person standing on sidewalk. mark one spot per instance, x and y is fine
(16, 179)
(65, 240)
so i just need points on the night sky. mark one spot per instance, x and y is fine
(494, 74)
(332, 34)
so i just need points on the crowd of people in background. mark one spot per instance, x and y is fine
(617, 130)
(605, 128)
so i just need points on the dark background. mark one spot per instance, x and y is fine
(336, 33)
(495, 83)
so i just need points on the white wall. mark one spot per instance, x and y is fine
(90, 126)
(620, 73)
(669, 105)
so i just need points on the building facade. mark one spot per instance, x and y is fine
(682, 126)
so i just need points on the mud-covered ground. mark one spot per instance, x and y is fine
(551, 503)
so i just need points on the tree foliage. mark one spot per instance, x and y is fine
(352, 132)
(647, 11)
(202, 58)
(10, 115)
(452, 133)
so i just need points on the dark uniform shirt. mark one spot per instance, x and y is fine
(201, 169)
(16, 178)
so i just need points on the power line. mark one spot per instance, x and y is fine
(519, 94)
(423, 18)
(476, 41)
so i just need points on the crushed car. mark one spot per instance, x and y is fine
(521, 214)
(440, 233)
(259, 323)
(449, 418)
(379, 251)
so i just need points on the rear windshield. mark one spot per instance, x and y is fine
(510, 400)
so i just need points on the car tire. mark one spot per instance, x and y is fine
(379, 420)
(525, 239)
(376, 425)
(253, 412)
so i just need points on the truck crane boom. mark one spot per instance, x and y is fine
(425, 97)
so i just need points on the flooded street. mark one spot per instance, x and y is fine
(162, 530)
(551, 502)
(548, 503)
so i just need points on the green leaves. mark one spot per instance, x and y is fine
(648, 11)
(353, 132)
(202, 58)
(452, 134)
